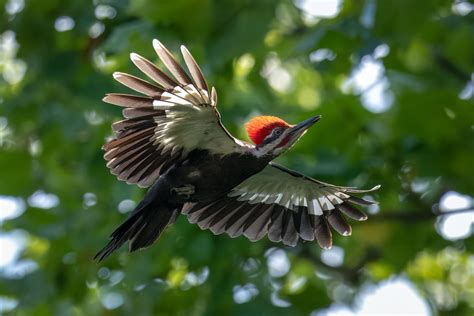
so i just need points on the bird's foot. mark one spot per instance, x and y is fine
(186, 190)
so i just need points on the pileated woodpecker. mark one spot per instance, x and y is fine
(172, 139)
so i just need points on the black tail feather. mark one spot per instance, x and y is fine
(142, 228)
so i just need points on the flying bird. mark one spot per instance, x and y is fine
(172, 140)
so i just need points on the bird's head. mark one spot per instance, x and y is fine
(272, 135)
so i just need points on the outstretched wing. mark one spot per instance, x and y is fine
(284, 204)
(174, 115)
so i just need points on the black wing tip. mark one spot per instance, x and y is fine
(339, 223)
(351, 212)
(361, 201)
(325, 242)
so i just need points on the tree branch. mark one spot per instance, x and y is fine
(451, 68)
(417, 215)
(350, 274)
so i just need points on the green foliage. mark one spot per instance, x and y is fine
(418, 147)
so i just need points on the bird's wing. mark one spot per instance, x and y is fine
(174, 115)
(283, 203)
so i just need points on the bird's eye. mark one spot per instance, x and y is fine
(277, 132)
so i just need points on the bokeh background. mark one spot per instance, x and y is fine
(393, 80)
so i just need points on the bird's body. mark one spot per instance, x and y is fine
(173, 141)
(210, 176)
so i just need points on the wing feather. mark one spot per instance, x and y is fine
(175, 115)
(289, 234)
(194, 69)
(322, 232)
(153, 72)
(305, 227)
(137, 84)
(352, 212)
(170, 63)
(276, 224)
(285, 205)
(128, 101)
(234, 226)
(339, 223)
(218, 223)
(256, 229)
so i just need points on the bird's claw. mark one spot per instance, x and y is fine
(185, 190)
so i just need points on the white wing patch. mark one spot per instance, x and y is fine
(191, 126)
(272, 185)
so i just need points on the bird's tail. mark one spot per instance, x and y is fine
(142, 228)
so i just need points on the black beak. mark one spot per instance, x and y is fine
(301, 127)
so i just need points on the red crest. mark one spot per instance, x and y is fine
(259, 127)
